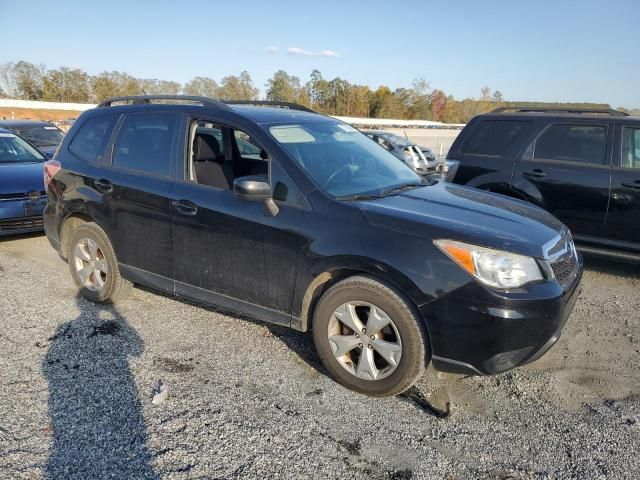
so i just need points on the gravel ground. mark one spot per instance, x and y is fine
(248, 400)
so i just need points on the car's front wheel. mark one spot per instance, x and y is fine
(94, 266)
(369, 337)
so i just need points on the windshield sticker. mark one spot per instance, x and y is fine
(7, 135)
(50, 128)
(291, 134)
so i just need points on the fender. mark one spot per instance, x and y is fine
(330, 270)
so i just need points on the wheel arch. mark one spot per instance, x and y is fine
(68, 224)
(333, 273)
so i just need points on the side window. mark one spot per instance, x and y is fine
(90, 140)
(284, 188)
(144, 144)
(494, 138)
(572, 143)
(630, 148)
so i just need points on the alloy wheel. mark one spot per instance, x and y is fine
(364, 340)
(90, 264)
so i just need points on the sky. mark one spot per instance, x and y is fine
(542, 50)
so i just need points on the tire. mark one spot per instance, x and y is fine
(360, 296)
(91, 251)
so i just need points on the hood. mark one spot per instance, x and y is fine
(455, 212)
(21, 177)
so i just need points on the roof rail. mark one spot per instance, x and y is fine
(147, 99)
(268, 103)
(602, 111)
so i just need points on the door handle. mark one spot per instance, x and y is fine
(535, 173)
(103, 186)
(635, 185)
(185, 207)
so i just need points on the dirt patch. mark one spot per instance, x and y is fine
(171, 365)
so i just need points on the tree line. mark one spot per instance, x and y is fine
(338, 96)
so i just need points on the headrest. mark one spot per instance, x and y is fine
(206, 148)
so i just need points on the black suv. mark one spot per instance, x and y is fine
(583, 166)
(299, 219)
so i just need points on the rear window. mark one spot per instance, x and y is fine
(91, 139)
(572, 143)
(494, 137)
(144, 144)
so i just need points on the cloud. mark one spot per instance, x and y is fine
(299, 51)
(272, 49)
(328, 53)
(307, 53)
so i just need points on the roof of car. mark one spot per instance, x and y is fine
(559, 116)
(22, 122)
(573, 114)
(277, 114)
(258, 114)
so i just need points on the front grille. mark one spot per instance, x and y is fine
(17, 224)
(19, 196)
(565, 266)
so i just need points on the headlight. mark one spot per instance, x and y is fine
(494, 268)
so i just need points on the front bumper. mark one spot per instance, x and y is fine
(478, 331)
(21, 216)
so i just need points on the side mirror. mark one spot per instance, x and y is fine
(48, 155)
(252, 188)
(256, 188)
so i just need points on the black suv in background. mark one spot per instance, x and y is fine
(299, 219)
(583, 166)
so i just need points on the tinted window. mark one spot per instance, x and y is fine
(284, 189)
(631, 147)
(572, 143)
(91, 139)
(144, 143)
(494, 137)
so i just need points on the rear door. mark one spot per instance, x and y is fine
(623, 219)
(566, 171)
(138, 182)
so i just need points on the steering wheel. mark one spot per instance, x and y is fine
(335, 174)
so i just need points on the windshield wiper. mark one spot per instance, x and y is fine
(400, 188)
(358, 196)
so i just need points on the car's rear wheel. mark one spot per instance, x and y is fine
(369, 337)
(94, 266)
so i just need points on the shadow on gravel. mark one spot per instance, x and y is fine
(612, 267)
(95, 409)
(299, 342)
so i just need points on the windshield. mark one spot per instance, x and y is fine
(341, 160)
(42, 135)
(13, 149)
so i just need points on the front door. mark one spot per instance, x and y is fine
(227, 250)
(623, 219)
(566, 171)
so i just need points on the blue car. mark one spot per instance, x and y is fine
(22, 193)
